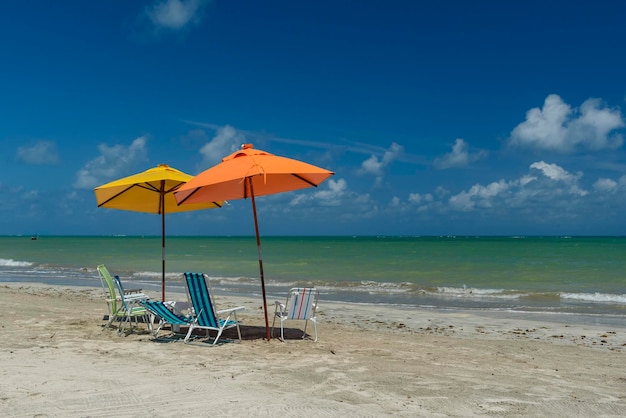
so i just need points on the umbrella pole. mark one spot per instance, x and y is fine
(163, 247)
(258, 246)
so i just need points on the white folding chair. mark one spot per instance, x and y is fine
(300, 306)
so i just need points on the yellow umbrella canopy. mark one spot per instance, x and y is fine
(151, 191)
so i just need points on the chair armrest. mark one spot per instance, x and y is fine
(238, 308)
(135, 298)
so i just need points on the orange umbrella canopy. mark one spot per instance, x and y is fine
(269, 174)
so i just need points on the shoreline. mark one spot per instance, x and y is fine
(574, 328)
(586, 313)
(369, 361)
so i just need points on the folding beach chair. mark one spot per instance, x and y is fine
(203, 313)
(300, 306)
(164, 311)
(119, 307)
(131, 308)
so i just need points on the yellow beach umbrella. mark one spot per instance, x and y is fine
(151, 191)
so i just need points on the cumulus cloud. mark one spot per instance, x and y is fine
(331, 194)
(112, 162)
(560, 128)
(175, 14)
(560, 176)
(417, 198)
(605, 185)
(375, 165)
(459, 156)
(226, 141)
(40, 153)
(479, 196)
(545, 184)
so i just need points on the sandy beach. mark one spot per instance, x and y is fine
(369, 361)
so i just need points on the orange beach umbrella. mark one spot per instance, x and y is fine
(250, 173)
(150, 191)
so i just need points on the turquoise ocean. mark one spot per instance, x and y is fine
(581, 276)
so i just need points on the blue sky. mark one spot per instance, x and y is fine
(438, 118)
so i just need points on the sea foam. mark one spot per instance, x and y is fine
(595, 297)
(12, 263)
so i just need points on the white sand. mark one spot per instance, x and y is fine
(369, 361)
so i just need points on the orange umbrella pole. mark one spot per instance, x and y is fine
(258, 246)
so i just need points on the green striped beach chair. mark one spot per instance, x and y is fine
(203, 313)
(300, 306)
(119, 306)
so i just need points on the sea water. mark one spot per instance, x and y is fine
(559, 275)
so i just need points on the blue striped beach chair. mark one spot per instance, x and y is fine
(203, 313)
(300, 306)
(131, 309)
(165, 314)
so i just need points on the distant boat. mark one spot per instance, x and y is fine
(33, 238)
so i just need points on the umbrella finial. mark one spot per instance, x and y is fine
(247, 146)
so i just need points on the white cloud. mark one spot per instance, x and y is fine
(40, 153)
(459, 156)
(479, 196)
(331, 195)
(175, 14)
(557, 127)
(605, 185)
(226, 141)
(549, 184)
(417, 198)
(111, 163)
(558, 174)
(375, 165)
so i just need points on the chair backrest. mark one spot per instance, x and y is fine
(301, 302)
(200, 299)
(110, 286)
(120, 288)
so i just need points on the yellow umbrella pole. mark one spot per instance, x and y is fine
(163, 240)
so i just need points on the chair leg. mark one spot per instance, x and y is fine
(156, 333)
(121, 326)
(217, 337)
(282, 332)
(191, 327)
(149, 319)
(238, 331)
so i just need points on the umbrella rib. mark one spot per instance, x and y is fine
(116, 195)
(304, 180)
(174, 188)
(187, 197)
(148, 186)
